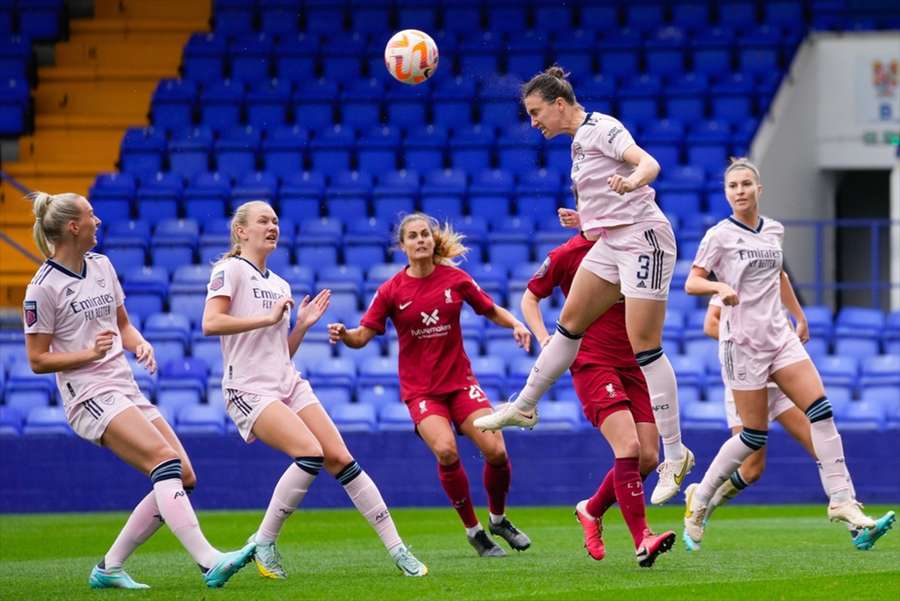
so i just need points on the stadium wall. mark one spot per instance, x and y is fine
(64, 474)
(803, 142)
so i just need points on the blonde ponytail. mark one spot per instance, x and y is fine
(447, 241)
(51, 214)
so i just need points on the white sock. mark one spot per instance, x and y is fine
(177, 512)
(496, 519)
(288, 494)
(729, 489)
(729, 458)
(144, 520)
(367, 499)
(663, 390)
(474, 530)
(830, 451)
(554, 360)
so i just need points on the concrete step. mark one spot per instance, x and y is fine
(153, 9)
(122, 54)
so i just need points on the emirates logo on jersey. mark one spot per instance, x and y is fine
(429, 319)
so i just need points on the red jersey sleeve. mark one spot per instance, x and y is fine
(547, 277)
(479, 300)
(376, 316)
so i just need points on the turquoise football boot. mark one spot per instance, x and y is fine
(118, 578)
(228, 565)
(866, 537)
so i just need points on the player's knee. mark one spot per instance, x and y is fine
(446, 453)
(648, 461)
(496, 456)
(160, 453)
(336, 462)
(188, 477)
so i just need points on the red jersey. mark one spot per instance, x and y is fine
(425, 312)
(606, 340)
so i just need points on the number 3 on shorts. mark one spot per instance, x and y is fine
(644, 271)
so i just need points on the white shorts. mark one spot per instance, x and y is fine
(90, 418)
(746, 369)
(639, 257)
(245, 407)
(778, 404)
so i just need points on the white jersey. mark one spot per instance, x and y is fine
(598, 150)
(750, 261)
(74, 308)
(257, 361)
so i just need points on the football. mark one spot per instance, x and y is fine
(411, 56)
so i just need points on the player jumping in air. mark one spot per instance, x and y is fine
(634, 257)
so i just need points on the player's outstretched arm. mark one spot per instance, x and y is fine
(505, 319)
(356, 338)
(308, 314)
(531, 310)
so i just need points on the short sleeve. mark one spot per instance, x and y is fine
(38, 311)
(222, 281)
(611, 137)
(544, 279)
(708, 252)
(477, 298)
(376, 315)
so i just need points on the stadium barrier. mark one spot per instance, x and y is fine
(65, 474)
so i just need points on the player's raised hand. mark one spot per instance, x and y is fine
(281, 305)
(310, 311)
(728, 295)
(568, 218)
(621, 185)
(103, 342)
(336, 332)
(146, 356)
(522, 336)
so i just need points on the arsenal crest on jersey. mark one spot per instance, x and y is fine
(217, 281)
(30, 313)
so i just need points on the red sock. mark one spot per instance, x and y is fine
(630, 495)
(604, 497)
(456, 484)
(496, 483)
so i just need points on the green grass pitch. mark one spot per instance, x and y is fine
(758, 552)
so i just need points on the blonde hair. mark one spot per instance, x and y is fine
(742, 163)
(447, 242)
(240, 218)
(51, 214)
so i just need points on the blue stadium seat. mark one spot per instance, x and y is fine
(10, 421)
(576, 50)
(295, 60)
(471, 147)
(168, 323)
(220, 105)
(41, 20)
(313, 103)
(371, 16)
(553, 16)
(452, 102)
(201, 419)
(175, 399)
(377, 149)
(494, 103)
(445, 182)
(341, 57)
(233, 16)
(407, 106)
(173, 104)
(443, 207)
(707, 415)
(394, 417)
(250, 57)
(279, 17)
(838, 370)
(24, 400)
(142, 150)
(355, 417)
(331, 149)
(361, 104)
(562, 415)
(267, 104)
(16, 57)
(737, 13)
(45, 421)
(283, 150)
(819, 319)
(189, 152)
(862, 415)
(204, 57)
(859, 321)
(883, 370)
(518, 149)
(860, 347)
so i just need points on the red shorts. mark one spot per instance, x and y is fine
(455, 406)
(604, 390)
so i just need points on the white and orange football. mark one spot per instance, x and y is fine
(411, 56)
